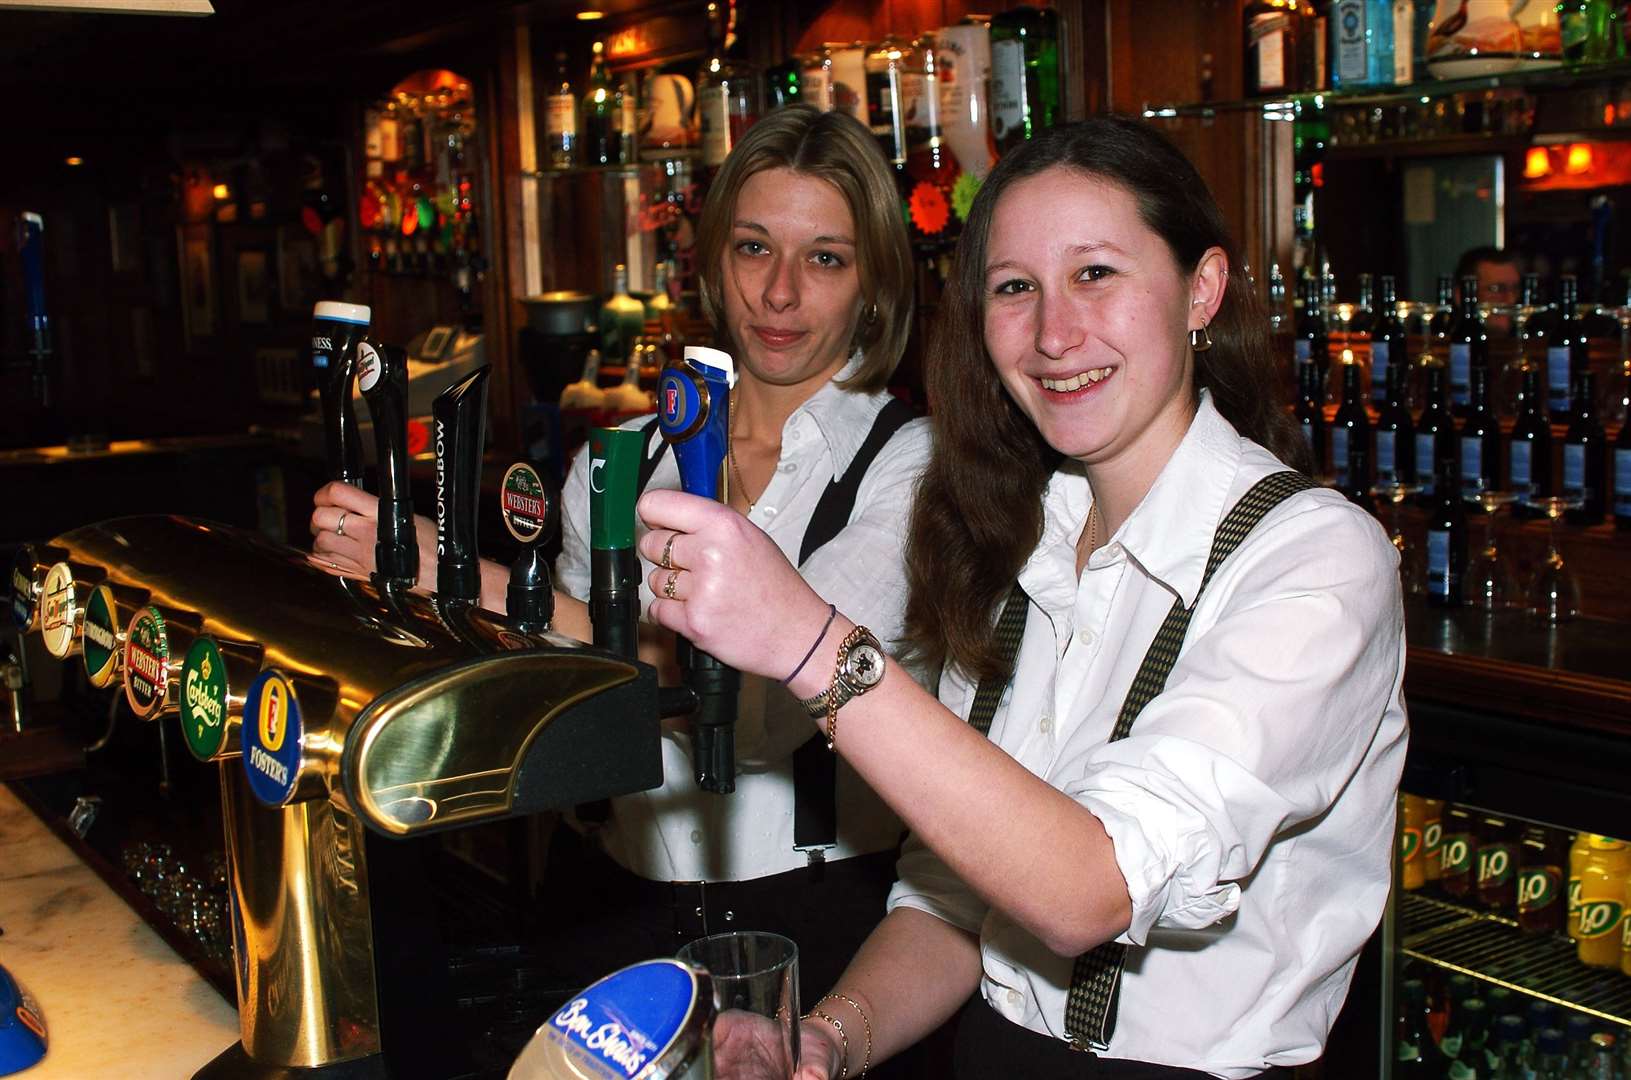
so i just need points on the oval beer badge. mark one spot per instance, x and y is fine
(368, 366)
(682, 403)
(525, 502)
(204, 699)
(57, 611)
(271, 733)
(99, 640)
(147, 663)
(623, 1026)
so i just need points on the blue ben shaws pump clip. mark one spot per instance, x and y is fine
(693, 413)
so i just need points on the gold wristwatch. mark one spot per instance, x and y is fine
(860, 667)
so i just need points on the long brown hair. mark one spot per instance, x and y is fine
(830, 146)
(978, 513)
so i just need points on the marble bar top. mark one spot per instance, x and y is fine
(118, 1001)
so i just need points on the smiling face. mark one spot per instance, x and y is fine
(1087, 317)
(791, 288)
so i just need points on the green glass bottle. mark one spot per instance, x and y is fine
(601, 137)
(622, 319)
(1025, 85)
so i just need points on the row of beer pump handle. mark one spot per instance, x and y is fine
(693, 414)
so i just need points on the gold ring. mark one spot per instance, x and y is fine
(339, 526)
(668, 586)
(668, 552)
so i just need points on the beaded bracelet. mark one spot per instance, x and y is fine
(866, 1025)
(843, 1069)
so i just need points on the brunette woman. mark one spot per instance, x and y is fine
(1152, 808)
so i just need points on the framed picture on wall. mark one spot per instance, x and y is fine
(299, 280)
(254, 287)
(197, 282)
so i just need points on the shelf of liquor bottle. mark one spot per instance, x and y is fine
(1492, 948)
(1286, 105)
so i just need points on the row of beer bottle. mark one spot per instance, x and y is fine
(1455, 1027)
(1466, 460)
(1525, 872)
(1558, 338)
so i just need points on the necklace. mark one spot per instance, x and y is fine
(730, 452)
(1092, 528)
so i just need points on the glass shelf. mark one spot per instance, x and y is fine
(1492, 948)
(585, 170)
(1283, 107)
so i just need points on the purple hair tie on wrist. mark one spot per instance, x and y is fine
(832, 613)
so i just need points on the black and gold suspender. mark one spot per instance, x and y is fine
(1090, 1007)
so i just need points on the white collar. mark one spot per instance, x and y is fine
(1169, 532)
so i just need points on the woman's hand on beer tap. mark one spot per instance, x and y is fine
(734, 594)
(344, 524)
(349, 552)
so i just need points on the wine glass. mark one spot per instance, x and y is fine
(1489, 578)
(1394, 493)
(1554, 594)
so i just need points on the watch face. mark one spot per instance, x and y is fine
(865, 665)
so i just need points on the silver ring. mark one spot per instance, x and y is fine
(339, 526)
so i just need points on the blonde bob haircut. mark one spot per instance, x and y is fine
(834, 147)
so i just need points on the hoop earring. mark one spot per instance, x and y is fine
(872, 314)
(1200, 340)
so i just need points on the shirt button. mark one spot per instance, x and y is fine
(768, 511)
(1015, 998)
(696, 836)
(786, 467)
(1046, 725)
(1085, 636)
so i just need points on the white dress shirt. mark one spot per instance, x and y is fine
(678, 833)
(1252, 806)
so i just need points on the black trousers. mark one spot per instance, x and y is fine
(991, 1047)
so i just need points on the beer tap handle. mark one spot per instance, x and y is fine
(693, 415)
(382, 373)
(336, 330)
(459, 419)
(614, 589)
(531, 513)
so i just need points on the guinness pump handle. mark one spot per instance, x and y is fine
(335, 331)
(459, 422)
(382, 374)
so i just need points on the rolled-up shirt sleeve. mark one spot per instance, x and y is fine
(1264, 719)
(925, 882)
